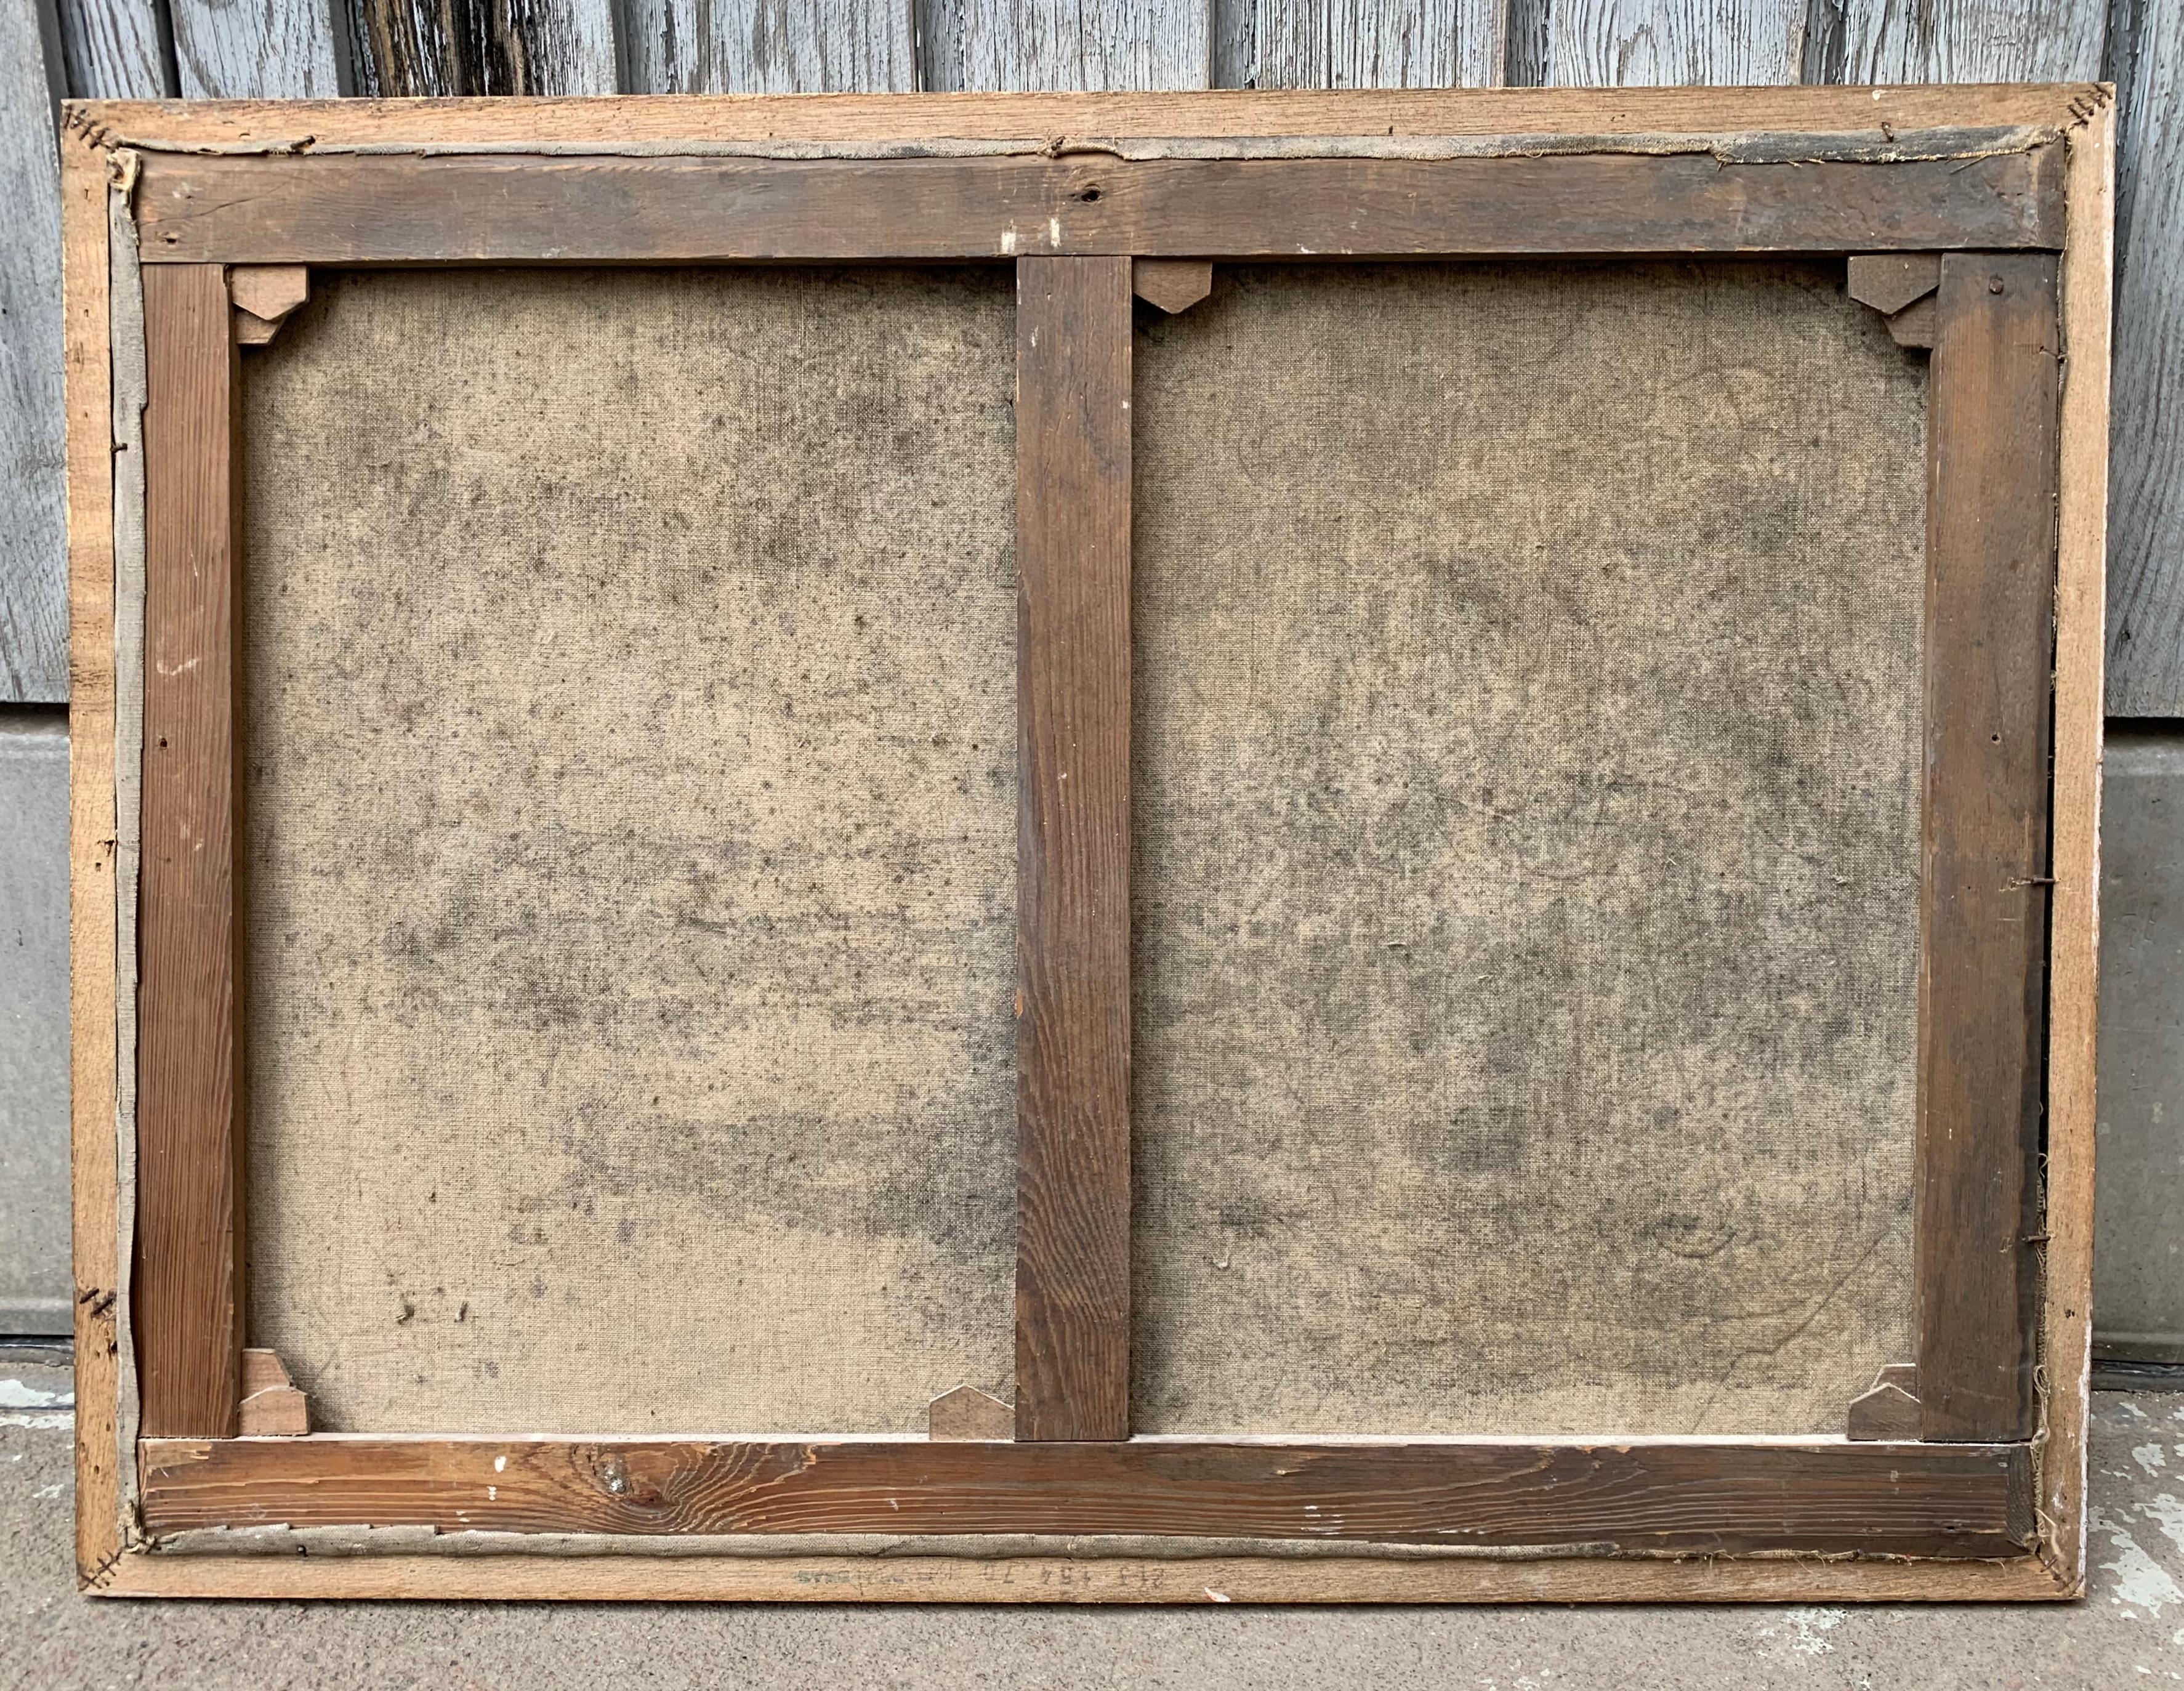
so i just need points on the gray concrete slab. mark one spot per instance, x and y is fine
(2138, 1270)
(34, 1286)
(2131, 1631)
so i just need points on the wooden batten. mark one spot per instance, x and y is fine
(1074, 849)
(1983, 983)
(188, 1286)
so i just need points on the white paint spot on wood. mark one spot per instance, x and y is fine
(1218, 1596)
(2149, 1457)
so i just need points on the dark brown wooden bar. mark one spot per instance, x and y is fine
(507, 209)
(187, 1300)
(1990, 638)
(1905, 1499)
(1073, 330)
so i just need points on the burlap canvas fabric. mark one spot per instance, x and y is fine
(631, 734)
(1526, 776)
(1527, 767)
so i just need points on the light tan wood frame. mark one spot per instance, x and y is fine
(1982, 1495)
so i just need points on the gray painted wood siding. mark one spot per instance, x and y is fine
(771, 46)
(256, 49)
(1374, 44)
(117, 49)
(33, 529)
(2146, 480)
(1650, 43)
(1970, 41)
(1016, 45)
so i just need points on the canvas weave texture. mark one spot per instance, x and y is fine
(1525, 881)
(631, 736)
(1525, 772)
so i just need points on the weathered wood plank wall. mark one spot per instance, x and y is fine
(2146, 487)
(257, 49)
(419, 48)
(33, 603)
(228, 49)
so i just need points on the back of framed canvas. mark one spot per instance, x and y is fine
(1417, 927)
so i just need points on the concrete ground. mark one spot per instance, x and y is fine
(2129, 1632)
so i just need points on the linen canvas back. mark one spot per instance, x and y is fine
(630, 749)
(1525, 876)
(1527, 824)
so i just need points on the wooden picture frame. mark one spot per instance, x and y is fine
(1982, 218)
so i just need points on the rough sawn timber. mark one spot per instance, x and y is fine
(373, 209)
(1954, 1501)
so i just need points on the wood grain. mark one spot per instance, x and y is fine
(2074, 941)
(1982, 1010)
(33, 540)
(1065, 44)
(91, 913)
(1969, 40)
(273, 50)
(1073, 328)
(113, 51)
(1376, 44)
(1637, 43)
(2146, 568)
(1085, 1580)
(425, 49)
(1956, 1501)
(187, 1291)
(370, 210)
(1485, 113)
(767, 47)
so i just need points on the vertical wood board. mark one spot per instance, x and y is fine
(1376, 44)
(256, 50)
(1073, 329)
(33, 579)
(424, 48)
(769, 47)
(186, 1297)
(1992, 536)
(2146, 488)
(114, 51)
(1119, 46)
(94, 1066)
(2082, 515)
(1642, 43)
(1970, 41)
